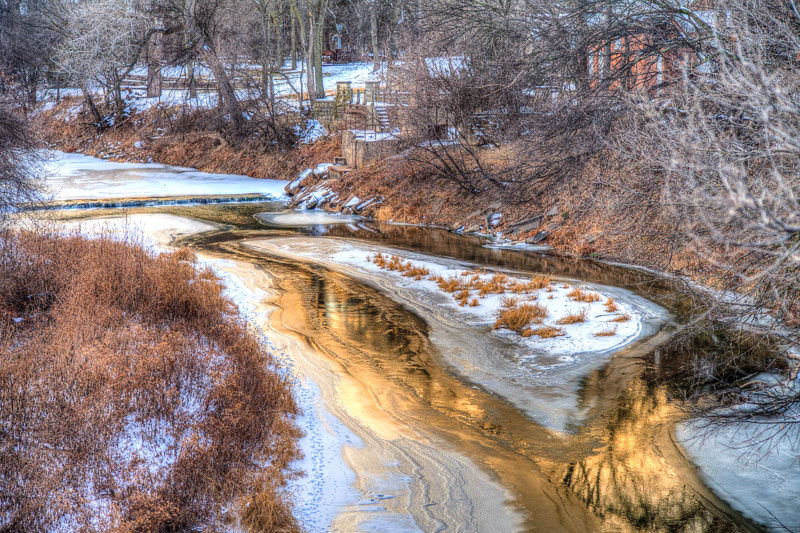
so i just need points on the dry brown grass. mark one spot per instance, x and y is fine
(474, 302)
(508, 301)
(397, 264)
(610, 306)
(607, 332)
(495, 285)
(534, 284)
(545, 332)
(462, 297)
(416, 272)
(106, 349)
(579, 295)
(574, 318)
(621, 318)
(190, 141)
(451, 284)
(520, 317)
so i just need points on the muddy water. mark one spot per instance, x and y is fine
(427, 426)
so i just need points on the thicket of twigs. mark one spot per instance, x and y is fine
(132, 395)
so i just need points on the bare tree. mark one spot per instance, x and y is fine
(727, 142)
(103, 40)
(18, 183)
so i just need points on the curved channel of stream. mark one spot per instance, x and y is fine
(402, 436)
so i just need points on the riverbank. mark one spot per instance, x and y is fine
(581, 216)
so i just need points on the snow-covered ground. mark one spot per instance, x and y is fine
(286, 84)
(81, 177)
(762, 482)
(538, 375)
(153, 231)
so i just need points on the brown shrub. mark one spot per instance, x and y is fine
(527, 287)
(416, 272)
(132, 395)
(451, 284)
(497, 284)
(610, 306)
(518, 318)
(607, 332)
(621, 318)
(580, 296)
(591, 297)
(462, 297)
(574, 318)
(545, 332)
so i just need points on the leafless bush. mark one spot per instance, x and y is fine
(547, 81)
(727, 144)
(132, 396)
(18, 165)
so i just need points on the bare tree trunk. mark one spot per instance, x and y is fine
(154, 57)
(373, 33)
(266, 67)
(312, 93)
(92, 107)
(228, 95)
(277, 17)
(319, 30)
(293, 24)
(191, 79)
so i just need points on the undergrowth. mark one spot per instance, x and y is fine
(133, 397)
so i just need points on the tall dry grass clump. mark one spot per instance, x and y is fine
(520, 317)
(132, 395)
(573, 318)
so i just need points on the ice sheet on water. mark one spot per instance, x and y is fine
(77, 176)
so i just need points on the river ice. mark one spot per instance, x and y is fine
(540, 376)
(762, 482)
(351, 483)
(81, 177)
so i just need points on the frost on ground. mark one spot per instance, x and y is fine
(760, 481)
(541, 376)
(81, 177)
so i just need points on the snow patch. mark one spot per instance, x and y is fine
(313, 131)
